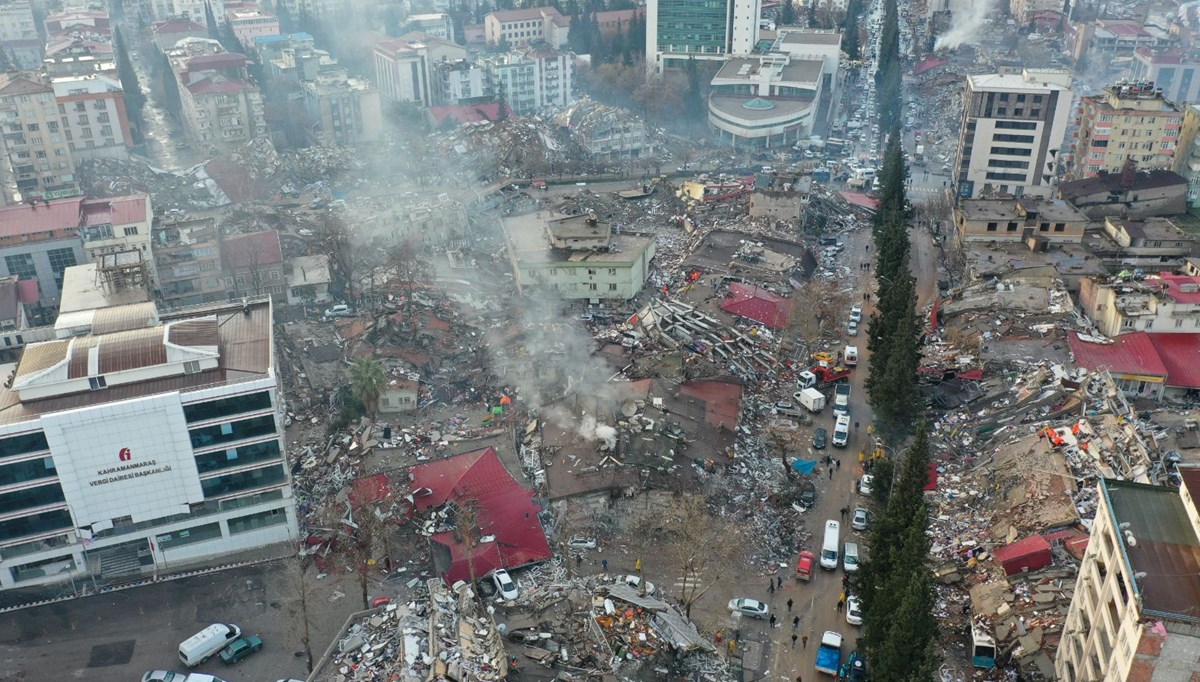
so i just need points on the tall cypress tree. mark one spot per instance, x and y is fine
(214, 29)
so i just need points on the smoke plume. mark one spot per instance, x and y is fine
(967, 20)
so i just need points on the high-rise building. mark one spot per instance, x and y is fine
(221, 106)
(1012, 129)
(532, 80)
(93, 116)
(135, 443)
(1128, 121)
(38, 151)
(1133, 614)
(341, 110)
(404, 67)
(678, 30)
(1174, 70)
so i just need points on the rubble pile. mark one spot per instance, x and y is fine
(190, 188)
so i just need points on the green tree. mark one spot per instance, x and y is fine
(367, 381)
(694, 98)
(787, 14)
(134, 99)
(214, 28)
(849, 28)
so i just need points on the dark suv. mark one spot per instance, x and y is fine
(820, 438)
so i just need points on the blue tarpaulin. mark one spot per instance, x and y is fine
(805, 466)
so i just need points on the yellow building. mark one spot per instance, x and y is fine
(1126, 122)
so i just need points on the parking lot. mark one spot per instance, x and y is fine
(121, 635)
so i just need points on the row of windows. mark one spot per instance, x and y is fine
(232, 431)
(1015, 177)
(236, 457)
(14, 446)
(24, 472)
(227, 407)
(1020, 139)
(1016, 125)
(31, 498)
(243, 480)
(1004, 163)
(36, 524)
(212, 531)
(1013, 227)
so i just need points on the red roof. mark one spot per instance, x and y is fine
(1131, 353)
(1180, 354)
(1175, 285)
(1032, 553)
(116, 211)
(861, 200)
(505, 510)
(369, 490)
(721, 401)
(254, 249)
(468, 113)
(27, 290)
(23, 219)
(927, 64)
(754, 303)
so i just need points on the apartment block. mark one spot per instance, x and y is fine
(253, 265)
(1024, 11)
(35, 142)
(1029, 220)
(1163, 303)
(187, 254)
(533, 80)
(221, 107)
(186, 10)
(1175, 70)
(436, 25)
(679, 30)
(19, 35)
(1132, 615)
(405, 67)
(522, 27)
(40, 240)
(94, 120)
(250, 23)
(1128, 121)
(166, 34)
(1013, 128)
(461, 82)
(342, 110)
(141, 442)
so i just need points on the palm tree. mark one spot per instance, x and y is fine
(367, 379)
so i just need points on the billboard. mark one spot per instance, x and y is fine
(129, 459)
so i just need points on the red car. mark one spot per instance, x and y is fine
(804, 567)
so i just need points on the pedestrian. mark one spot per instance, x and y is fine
(771, 586)
(795, 622)
(604, 565)
(789, 604)
(842, 599)
(838, 462)
(798, 678)
(831, 473)
(578, 559)
(845, 510)
(794, 638)
(773, 620)
(803, 644)
(780, 584)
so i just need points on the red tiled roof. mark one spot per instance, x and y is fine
(504, 509)
(756, 304)
(369, 490)
(1131, 353)
(929, 63)
(254, 249)
(115, 211)
(861, 200)
(224, 60)
(1180, 354)
(468, 113)
(721, 401)
(1175, 284)
(215, 86)
(71, 213)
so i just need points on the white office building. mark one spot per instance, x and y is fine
(134, 444)
(1013, 129)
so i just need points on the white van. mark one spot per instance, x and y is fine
(841, 431)
(829, 548)
(850, 557)
(201, 646)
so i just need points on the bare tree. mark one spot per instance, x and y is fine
(466, 527)
(815, 310)
(412, 272)
(299, 578)
(345, 260)
(701, 546)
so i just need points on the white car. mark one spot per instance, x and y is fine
(635, 582)
(339, 310)
(163, 676)
(856, 313)
(864, 486)
(860, 519)
(853, 611)
(581, 543)
(852, 328)
(506, 587)
(748, 607)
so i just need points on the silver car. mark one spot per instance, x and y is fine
(749, 607)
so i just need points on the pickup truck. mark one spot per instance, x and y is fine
(829, 654)
(841, 399)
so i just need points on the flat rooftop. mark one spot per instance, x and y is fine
(1151, 228)
(83, 290)
(243, 342)
(1167, 550)
(793, 36)
(527, 237)
(1011, 82)
(989, 209)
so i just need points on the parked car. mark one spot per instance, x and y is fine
(852, 328)
(856, 313)
(339, 310)
(505, 585)
(163, 676)
(860, 519)
(240, 648)
(864, 485)
(853, 610)
(748, 607)
(820, 438)
(581, 543)
(635, 581)
(808, 495)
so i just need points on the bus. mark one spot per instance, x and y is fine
(983, 648)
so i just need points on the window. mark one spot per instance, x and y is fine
(271, 517)
(243, 480)
(21, 265)
(30, 498)
(1127, 323)
(60, 260)
(14, 446)
(231, 431)
(1060, 227)
(237, 457)
(35, 524)
(131, 231)
(191, 367)
(592, 286)
(1149, 323)
(188, 536)
(991, 227)
(97, 383)
(1178, 324)
(612, 286)
(27, 471)
(1012, 227)
(46, 567)
(32, 127)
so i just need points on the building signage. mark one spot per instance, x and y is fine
(131, 459)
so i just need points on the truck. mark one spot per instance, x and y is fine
(919, 157)
(829, 654)
(818, 377)
(841, 399)
(812, 399)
